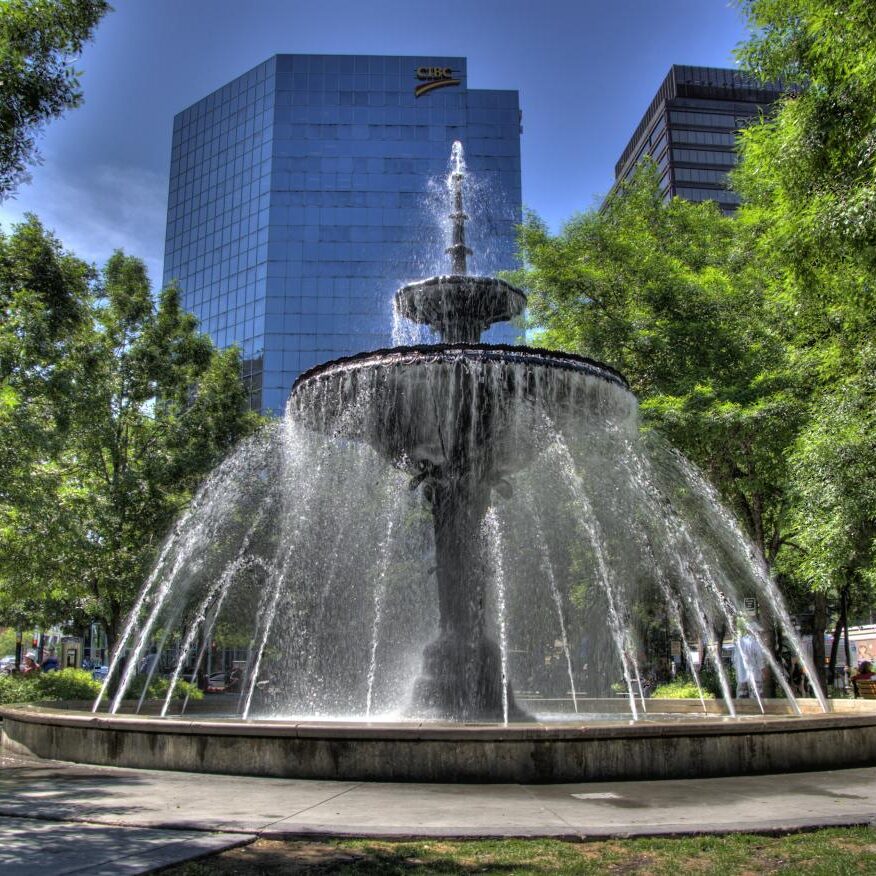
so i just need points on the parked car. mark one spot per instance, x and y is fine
(7, 664)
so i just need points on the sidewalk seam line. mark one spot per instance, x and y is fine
(572, 827)
(312, 806)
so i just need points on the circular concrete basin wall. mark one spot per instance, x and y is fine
(529, 753)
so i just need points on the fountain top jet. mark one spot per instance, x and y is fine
(459, 307)
(457, 250)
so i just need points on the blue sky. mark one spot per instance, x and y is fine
(585, 71)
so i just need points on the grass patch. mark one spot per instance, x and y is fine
(834, 851)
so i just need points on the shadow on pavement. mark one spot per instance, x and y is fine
(275, 858)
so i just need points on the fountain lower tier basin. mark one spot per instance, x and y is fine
(529, 753)
(430, 406)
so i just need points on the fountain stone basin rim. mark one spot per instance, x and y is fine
(425, 353)
(433, 752)
(415, 405)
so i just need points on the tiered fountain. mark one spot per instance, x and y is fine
(553, 525)
(460, 417)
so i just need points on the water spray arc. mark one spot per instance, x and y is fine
(377, 548)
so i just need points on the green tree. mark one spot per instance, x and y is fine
(147, 406)
(39, 40)
(44, 295)
(667, 294)
(808, 178)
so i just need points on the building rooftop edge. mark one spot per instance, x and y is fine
(694, 76)
(419, 57)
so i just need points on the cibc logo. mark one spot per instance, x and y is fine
(432, 78)
(434, 73)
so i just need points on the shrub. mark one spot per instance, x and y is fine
(710, 680)
(77, 684)
(66, 684)
(681, 688)
(158, 687)
(16, 689)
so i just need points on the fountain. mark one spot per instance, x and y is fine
(398, 554)
(459, 418)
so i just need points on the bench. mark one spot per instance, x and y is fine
(866, 688)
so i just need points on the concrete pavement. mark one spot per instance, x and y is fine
(29, 846)
(156, 800)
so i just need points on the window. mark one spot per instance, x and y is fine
(704, 138)
(703, 156)
(697, 174)
(722, 196)
(706, 120)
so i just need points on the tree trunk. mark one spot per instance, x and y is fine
(834, 648)
(202, 678)
(113, 622)
(819, 625)
(848, 654)
(842, 626)
(768, 678)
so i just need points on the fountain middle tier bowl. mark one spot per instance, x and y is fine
(461, 404)
(460, 308)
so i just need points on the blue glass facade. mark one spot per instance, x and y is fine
(303, 193)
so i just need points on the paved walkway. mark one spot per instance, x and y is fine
(48, 790)
(29, 846)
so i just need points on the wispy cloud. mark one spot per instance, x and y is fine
(101, 209)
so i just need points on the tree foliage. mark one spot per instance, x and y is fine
(39, 40)
(808, 177)
(44, 295)
(115, 407)
(750, 340)
(665, 293)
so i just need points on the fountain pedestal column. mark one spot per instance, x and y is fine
(462, 677)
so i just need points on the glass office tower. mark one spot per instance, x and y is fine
(690, 131)
(303, 193)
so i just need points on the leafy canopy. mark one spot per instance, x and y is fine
(116, 407)
(808, 177)
(39, 40)
(666, 293)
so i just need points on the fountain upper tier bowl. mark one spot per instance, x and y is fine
(459, 308)
(430, 406)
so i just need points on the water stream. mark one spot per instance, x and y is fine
(403, 488)
(493, 532)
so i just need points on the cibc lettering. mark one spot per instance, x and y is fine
(434, 73)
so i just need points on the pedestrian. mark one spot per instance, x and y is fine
(864, 673)
(30, 666)
(51, 663)
(798, 680)
(235, 681)
(147, 663)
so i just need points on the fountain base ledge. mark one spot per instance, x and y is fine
(526, 753)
